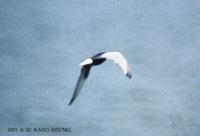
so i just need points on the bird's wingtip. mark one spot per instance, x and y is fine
(129, 75)
(70, 103)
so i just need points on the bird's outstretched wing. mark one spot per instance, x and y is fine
(81, 80)
(118, 58)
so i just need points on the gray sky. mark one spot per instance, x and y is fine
(43, 42)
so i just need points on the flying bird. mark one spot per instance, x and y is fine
(95, 60)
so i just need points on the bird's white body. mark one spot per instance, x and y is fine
(86, 62)
(117, 57)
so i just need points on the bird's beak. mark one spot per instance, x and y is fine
(86, 62)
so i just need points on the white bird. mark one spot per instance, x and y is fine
(98, 59)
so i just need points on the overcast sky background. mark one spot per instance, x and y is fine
(42, 43)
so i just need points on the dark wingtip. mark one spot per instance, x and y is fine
(71, 101)
(129, 75)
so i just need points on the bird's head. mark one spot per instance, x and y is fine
(86, 62)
